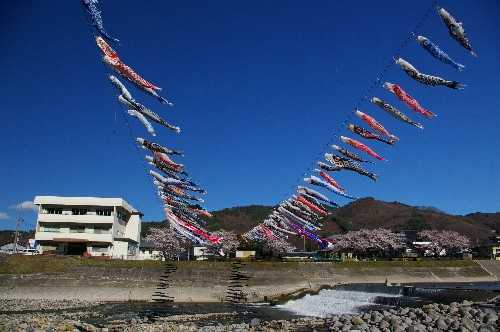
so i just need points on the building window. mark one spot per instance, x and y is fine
(54, 210)
(122, 216)
(79, 212)
(50, 229)
(106, 212)
(132, 248)
(100, 248)
(77, 229)
(102, 230)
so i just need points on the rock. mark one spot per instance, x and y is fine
(85, 327)
(467, 323)
(467, 303)
(254, 322)
(441, 324)
(374, 329)
(404, 311)
(357, 320)
(395, 321)
(490, 318)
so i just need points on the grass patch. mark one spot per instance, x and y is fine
(18, 264)
(421, 263)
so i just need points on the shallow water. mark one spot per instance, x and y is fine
(356, 298)
(330, 302)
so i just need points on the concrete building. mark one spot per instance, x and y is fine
(87, 225)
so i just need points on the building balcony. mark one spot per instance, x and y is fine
(72, 237)
(81, 219)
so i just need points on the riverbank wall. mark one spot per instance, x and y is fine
(208, 281)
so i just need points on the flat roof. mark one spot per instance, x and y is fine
(85, 201)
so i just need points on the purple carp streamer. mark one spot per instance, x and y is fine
(456, 30)
(426, 79)
(143, 120)
(438, 53)
(92, 9)
(395, 112)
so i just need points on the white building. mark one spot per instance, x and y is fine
(95, 226)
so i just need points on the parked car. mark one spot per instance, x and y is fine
(30, 252)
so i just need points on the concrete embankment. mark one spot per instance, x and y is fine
(207, 281)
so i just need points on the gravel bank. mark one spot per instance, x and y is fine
(34, 315)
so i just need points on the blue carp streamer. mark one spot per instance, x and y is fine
(438, 53)
(96, 18)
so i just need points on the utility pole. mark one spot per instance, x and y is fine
(16, 236)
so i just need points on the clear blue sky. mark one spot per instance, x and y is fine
(259, 87)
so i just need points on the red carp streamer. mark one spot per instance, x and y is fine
(360, 146)
(374, 124)
(330, 180)
(111, 58)
(312, 206)
(405, 97)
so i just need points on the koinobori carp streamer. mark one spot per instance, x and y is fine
(155, 147)
(308, 191)
(405, 97)
(344, 163)
(314, 180)
(111, 58)
(143, 120)
(368, 134)
(126, 99)
(349, 154)
(438, 53)
(360, 146)
(456, 30)
(395, 112)
(92, 9)
(425, 78)
(374, 124)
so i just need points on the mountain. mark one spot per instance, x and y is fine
(362, 213)
(368, 213)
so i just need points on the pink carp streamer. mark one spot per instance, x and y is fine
(411, 102)
(360, 146)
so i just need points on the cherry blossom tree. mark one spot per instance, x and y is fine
(444, 242)
(368, 241)
(164, 239)
(229, 242)
(277, 246)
